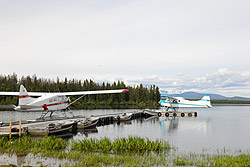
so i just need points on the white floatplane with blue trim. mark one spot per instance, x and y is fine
(175, 103)
(179, 102)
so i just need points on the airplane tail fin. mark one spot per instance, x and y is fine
(206, 99)
(24, 97)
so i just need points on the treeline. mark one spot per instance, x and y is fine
(225, 101)
(137, 96)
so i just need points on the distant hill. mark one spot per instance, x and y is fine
(195, 95)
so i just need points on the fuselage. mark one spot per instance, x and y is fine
(180, 102)
(51, 102)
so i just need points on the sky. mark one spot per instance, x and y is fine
(178, 45)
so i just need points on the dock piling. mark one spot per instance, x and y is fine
(10, 131)
(20, 128)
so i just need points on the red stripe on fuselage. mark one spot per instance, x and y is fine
(24, 96)
(54, 104)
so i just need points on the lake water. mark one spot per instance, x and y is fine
(215, 128)
(212, 131)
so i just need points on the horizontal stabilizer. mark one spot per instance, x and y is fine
(12, 106)
(30, 106)
(205, 98)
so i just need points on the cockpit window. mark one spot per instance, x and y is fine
(163, 98)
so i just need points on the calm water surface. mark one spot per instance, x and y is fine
(215, 128)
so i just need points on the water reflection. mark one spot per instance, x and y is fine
(21, 159)
(31, 160)
(169, 125)
(124, 123)
(88, 131)
(174, 124)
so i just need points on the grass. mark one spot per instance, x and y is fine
(27, 145)
(100, 159)
(131, 151)
(130, 144)
(242, 160)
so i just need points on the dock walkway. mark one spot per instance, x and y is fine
(4, 130)
(102, 119)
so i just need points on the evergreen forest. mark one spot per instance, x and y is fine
(138, 96)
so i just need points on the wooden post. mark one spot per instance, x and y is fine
(20, 128)
(10, 131)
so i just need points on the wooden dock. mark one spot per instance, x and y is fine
(102, 120)
(162, 113)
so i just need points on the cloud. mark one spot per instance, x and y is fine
(226, 78)
(173, 44)
(223, 81)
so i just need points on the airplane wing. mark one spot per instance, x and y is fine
(66, 93)
(92, 92)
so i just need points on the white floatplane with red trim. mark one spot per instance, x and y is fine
(48, 102)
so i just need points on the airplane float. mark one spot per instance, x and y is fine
(49, 102)
(179, 102)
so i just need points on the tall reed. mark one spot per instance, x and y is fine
(134, 144)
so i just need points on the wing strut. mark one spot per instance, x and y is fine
(174, 109)
(67, 108)
(76, 100)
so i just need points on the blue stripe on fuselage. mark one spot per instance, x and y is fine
(162, 101)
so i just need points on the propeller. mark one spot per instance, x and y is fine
(45, 107)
